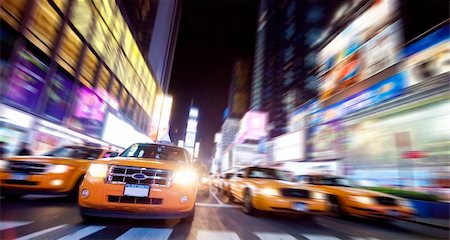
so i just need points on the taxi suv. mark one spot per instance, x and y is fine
(269, 189)
(58, 172)
(346, 198)
(147, 181)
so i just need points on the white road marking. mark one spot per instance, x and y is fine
(319, 237)
(81, 233)
(274, 236)
(42, 232)
(12, 224)
(217, 199)
(364, 238)
(217, 235)
(216, 205)
(146, 233)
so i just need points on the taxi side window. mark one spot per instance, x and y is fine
(305, 179)
(241, 173)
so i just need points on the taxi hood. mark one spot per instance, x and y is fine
(143, 162)
(352, 191)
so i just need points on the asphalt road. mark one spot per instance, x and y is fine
(41, 217)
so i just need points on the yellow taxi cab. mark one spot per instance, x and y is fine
(346, 198)
(269, 189)
(147, 181)
(58, 172)
(224, 183)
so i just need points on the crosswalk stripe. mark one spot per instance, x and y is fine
(319, 237)
(217, 235)
(12, 224)
(146, 233)
(42, 232)
(364, 238)
(274, 236)
(82, 233)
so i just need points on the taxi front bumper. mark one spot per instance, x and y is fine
(133, 215)
(288, 205)
(54, 184)
(380, 211)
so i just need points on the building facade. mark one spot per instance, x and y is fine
(73, 72)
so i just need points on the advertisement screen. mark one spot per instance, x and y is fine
(368, 45)
(89, 112)
(325, 142)
(27, 81)
(58, 95)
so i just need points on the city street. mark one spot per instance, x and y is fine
(43, 217)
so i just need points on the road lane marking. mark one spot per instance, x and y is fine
(12, 224)
(146, 233)
(42, 232)
(217, 235)
(274, 236)
(319, 237)
(217, 199)
(215, 205)
(364, 238)
(82, 233)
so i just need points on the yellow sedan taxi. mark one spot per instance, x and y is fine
(269, 189)
(348, 199)
(58, 172)
(147, 181)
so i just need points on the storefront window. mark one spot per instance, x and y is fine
(82, 16)
(27, 81)
(103, 79)
(7, 40)
(123, 99)
(14, 11)
(89, 67)
(43, 27)
(70, 50)
(58, 95)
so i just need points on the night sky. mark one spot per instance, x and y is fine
(212, 35)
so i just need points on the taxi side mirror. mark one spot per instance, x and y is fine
(239, 175)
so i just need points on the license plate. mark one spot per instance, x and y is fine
(136, 190)
(301, 207)
(18, 176)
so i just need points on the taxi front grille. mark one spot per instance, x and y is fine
(27, 167)
(295, 193)
(136, 200)
(138, 175)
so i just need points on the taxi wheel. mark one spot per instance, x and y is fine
(73, 194)
(336, 207)
(231, 198)
(12, 196)
(248, 206)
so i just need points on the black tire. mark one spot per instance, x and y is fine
(336, 209)
(73, 194)
(12, 196)
(190, 218)
(248, 205)
(87, 218)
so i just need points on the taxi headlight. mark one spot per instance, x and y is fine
(184, 177)
(268, 192)
(98, 170)
(318, 195)
(363, 200)
(4, 164)
(59, 168)
(204, 180)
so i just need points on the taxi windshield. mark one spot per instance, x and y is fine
(335, 181)
(155, 151)
(75, 152)
(269, 173)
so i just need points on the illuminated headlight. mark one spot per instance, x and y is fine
(4, 164)
(59, 168)
(184, 177)
(85, 193)
(405, 203)
(318, 195)
(204, 180)
(269, 192)
(363, 200)
(98, 170)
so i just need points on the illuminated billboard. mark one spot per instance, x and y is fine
(253, 126)
(370, 44)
